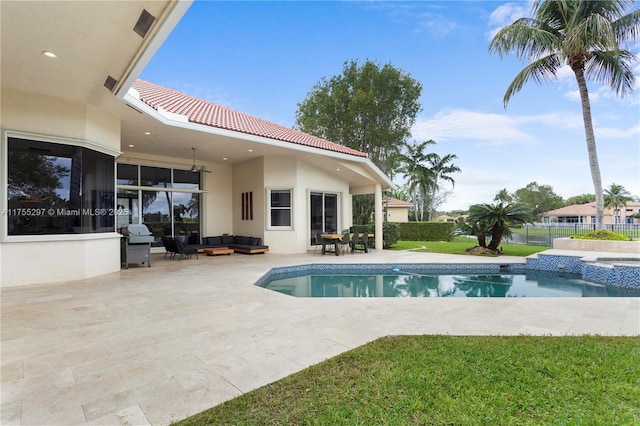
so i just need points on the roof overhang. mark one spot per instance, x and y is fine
(95, 43)
(159, 132)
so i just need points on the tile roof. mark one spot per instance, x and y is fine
(394, 202)
(587, 209)
(206, 113)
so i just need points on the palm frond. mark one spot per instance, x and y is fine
(540, 71)
(627, 27)
(612, 68)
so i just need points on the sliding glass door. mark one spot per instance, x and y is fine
(324, 213)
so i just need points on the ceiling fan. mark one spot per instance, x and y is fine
(195, 168)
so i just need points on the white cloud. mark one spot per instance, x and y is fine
(504, 15)
(488, 128)
(437, 25)
(612, 133)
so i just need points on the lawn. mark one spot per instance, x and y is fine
(448, 380)
(460, 244)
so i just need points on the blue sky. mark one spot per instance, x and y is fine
(262, 58)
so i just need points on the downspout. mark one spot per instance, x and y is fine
(378, 215)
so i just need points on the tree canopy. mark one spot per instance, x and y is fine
(538, 198)
(369, 107)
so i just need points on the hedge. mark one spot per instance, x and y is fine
(427, 231)
(411, 231)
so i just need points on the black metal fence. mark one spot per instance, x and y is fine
(544, 234)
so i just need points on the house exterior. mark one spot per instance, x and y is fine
(87, 148)
(586, 213)
(396, 210)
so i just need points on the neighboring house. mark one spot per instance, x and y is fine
(397, 210)
(87, 148)
(586, 213)
(446, 218)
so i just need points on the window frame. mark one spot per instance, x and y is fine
(269, 208)
(172, 188)
(4, 178)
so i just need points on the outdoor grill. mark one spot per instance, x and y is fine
(136, 245)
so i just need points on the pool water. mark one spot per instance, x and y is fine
(482, 284)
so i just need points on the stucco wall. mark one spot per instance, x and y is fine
(248, 177)
(303, 178)
(54, 258)
(398, 214)
(597, 245)
(218, 200)
(42, 262)
(42, 115)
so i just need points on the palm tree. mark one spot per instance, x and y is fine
(425, 171)
(417, 173)
(504, 196)
(616, 197)
(587, 35)
(497, 219)
(439, 170)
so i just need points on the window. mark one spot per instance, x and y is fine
(156, 177)
(280, 208)
(127, 174)
(55, 188)
(167, 201)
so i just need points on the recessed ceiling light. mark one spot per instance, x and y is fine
(224, 158)
(49, 54)
(147, 133)
(130, 145)
(250, 150)
(338, 169)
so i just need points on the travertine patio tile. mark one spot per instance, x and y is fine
(154, 345)
(127, 416)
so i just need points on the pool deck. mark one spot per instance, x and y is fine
(154, 345)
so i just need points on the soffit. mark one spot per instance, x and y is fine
(92, 40)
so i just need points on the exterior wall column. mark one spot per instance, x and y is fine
(378, 215)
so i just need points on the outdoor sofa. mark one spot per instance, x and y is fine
(239, 243)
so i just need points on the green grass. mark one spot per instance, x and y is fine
(460, 244)
(446, 380)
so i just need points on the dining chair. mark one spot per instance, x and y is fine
(319, 241)
(355, 240)
(361, 244)
(344, 242)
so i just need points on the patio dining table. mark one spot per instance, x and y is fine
(332, 239)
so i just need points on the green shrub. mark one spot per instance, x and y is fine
(390, 234)
(427, 231)
(601, 235)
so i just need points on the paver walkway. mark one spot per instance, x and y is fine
(153, 345)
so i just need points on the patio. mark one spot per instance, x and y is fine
(154, 345)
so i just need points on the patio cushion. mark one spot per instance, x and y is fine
(212, 241)
(227, 239)
(240, 240)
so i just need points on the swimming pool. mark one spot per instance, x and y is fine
(467, 283)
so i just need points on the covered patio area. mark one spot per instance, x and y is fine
(155, 345)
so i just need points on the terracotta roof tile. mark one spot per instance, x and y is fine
(199, 111)
(394, 202)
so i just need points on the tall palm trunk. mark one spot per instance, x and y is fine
(578, 69)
